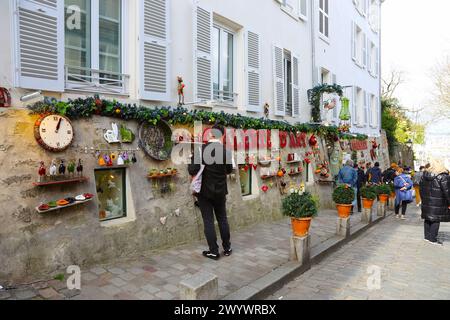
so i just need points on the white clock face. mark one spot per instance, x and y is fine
(56, 132)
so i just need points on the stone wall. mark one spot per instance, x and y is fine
(34, 245)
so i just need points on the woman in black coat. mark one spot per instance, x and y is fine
(435, 194)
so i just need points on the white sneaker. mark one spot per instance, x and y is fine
(437, 243)
(403, 218)
(397, 216)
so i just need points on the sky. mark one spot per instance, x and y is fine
(415, 37)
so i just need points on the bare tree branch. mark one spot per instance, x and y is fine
(441, 77)
(391, 83)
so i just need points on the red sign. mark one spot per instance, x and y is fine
(359, 145)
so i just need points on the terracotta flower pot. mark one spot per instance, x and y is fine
(300, 226)
(384, 198)
(367, 203)
(344, 210)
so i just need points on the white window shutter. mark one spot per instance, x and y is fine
(364, 50)
(355, 106)
(253, 72)
(377, 113)
(278, 74)
(154, 50)
(366, 108)
(40, 50)
(377, 62)
(203, 23)
(353, 42)
(295, 86)
(369, 57)
(371, 110)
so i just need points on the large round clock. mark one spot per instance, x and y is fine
(54, 132)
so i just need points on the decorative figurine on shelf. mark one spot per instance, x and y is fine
(42, 171)
(112, 136)
(107, 160)
(133, 159)
(266, 110)
(52, 170)
(80, 168)
(62, 168)
(120, 160)
(101, 161)
(71, 168)
(180, 88)
(126, 157)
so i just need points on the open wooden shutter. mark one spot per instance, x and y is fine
(253, 73)
(203, 22)
(278, 75)
(40, 32)
(295, 86)
(154, 50)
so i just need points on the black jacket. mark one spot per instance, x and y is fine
(389, 175)
(214, 177)
(435, 194)
(361, 178)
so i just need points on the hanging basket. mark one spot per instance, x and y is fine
(156, 140)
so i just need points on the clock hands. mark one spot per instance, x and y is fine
(58, 125)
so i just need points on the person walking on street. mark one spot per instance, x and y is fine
(389, 174)
(347, 175)
(416, 180)
(403, 192)
(361, 180)
(376, 175)
(435, 195)
(368, 167)
(217, 164)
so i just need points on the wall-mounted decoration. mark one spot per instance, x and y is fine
(112, 136)
(126, 135)
(266, 110)
(54, 132)
(5, 98)
(156, 140)
(180, 89)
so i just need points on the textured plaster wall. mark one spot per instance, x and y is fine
(33, 245)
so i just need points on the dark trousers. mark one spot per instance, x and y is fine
(358, 199)
(404, 205)
(217, 207)
(431, 230)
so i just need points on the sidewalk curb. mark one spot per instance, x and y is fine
(277, 278)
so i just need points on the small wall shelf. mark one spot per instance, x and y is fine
(294, 174)
(294, 161)
(268, 177)
(76, 203)
(161, 176)
(57, 182)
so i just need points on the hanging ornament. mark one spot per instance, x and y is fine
(134, 160)
(120, 161)
(80, 168)
(313, 141)
(101, 161)
(265, 188)
(126, 157)
(344, 115)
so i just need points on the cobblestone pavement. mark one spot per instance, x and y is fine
(410, 267)
(257, 251)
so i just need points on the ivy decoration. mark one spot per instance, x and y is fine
(315, 94)
(87, 107)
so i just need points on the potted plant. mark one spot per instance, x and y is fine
(368, 195)
(383, 191)
(344, 196)
(301, 207)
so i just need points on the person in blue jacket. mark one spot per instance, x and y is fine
(375, 174)
(348, 175)
(403, 192)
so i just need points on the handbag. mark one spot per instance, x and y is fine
(409, 193)
(196, 184)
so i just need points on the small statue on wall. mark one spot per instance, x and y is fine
(180, 88)
(266, 110)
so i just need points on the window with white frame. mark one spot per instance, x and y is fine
(324, 18)
(94, 47)
(223, 63)
(359, 46)
(303, 9)
(359, 107)
(373, 60)
(374, 15)
(325, 76)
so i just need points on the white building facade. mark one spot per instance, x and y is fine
(235, 56)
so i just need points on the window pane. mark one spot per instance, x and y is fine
(288, 83)
(326, 26)
(110, 37)
(321, 22)
(245, 178)
(216, 62)
(321, 4)
(227, 58)
(111, 193)
(326, 6)
(77, 36)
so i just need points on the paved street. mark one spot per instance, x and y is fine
(410, 268)
(257, 251)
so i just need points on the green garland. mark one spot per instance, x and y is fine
(315, 94)
(87, 107)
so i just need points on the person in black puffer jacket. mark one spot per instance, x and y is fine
(435, 194)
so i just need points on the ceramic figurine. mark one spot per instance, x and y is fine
(71, 168)
(42, 171)
(52, 169)
(101, 161)
(80, 168)
(62, 168)
(181, 87)
(120, 160)
(134, 160)
(112, 136)
(108, 160)
(126, 157)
